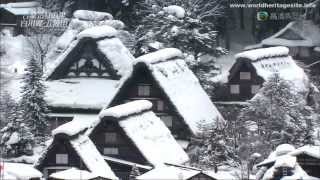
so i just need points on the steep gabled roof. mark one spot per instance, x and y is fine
(148, 133)
(112, 50)
(267, 61)
(180, 85)
(87, 152)
(297, 33)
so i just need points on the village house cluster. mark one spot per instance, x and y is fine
(112, 113)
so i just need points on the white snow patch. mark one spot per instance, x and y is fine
(175, 10)
(98, 32)
(119, 56)
(286, 161)
(14, 138)
(21, 171)
(79, 123)
(263, 53)
(153, 139)
(182, 173)
(168, 173)
(160, 55)
(284, 149)
(23, 8)
(92, 15)
(127, 109)
(72, 174)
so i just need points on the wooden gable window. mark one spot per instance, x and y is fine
(110, 151)
(235, 89)
(160, 105)
(284, 171)
(245, 75)
(62, 159)
(110, 137)
(167, 120)
(255, 89)
(144, 90)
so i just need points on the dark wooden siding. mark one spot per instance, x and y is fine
(223, 92)
(127, 150)
(309, 164)
(129, 92)
(61, 145)
(123, 171)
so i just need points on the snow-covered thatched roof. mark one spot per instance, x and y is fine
(268, 61)
(182, 173)
(300, 33)
(72, 174)
(103, 30)
(87, 152)
(19, 171)
(23, 8)
(108, 45)
(180, 85)
(149, 134)
(285, 155)
(73, 93)
(286, 149)
(91, 157)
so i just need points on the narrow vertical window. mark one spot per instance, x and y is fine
(235, 89)
(160, 105)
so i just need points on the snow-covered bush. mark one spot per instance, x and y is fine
(16, 137)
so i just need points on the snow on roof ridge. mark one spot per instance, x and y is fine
(97, 32)
(23, 4)
(175, 10)
(161, 55)
(88, 15)
(261, 53)
(126, 109)
(70, 128)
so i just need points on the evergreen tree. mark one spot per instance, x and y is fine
(16, 136)
(276, 115)
(212, 148)
(194, 32)
(33, 103)
(134, 173)
(6, 106)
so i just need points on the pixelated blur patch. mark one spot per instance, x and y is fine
(262, 16)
